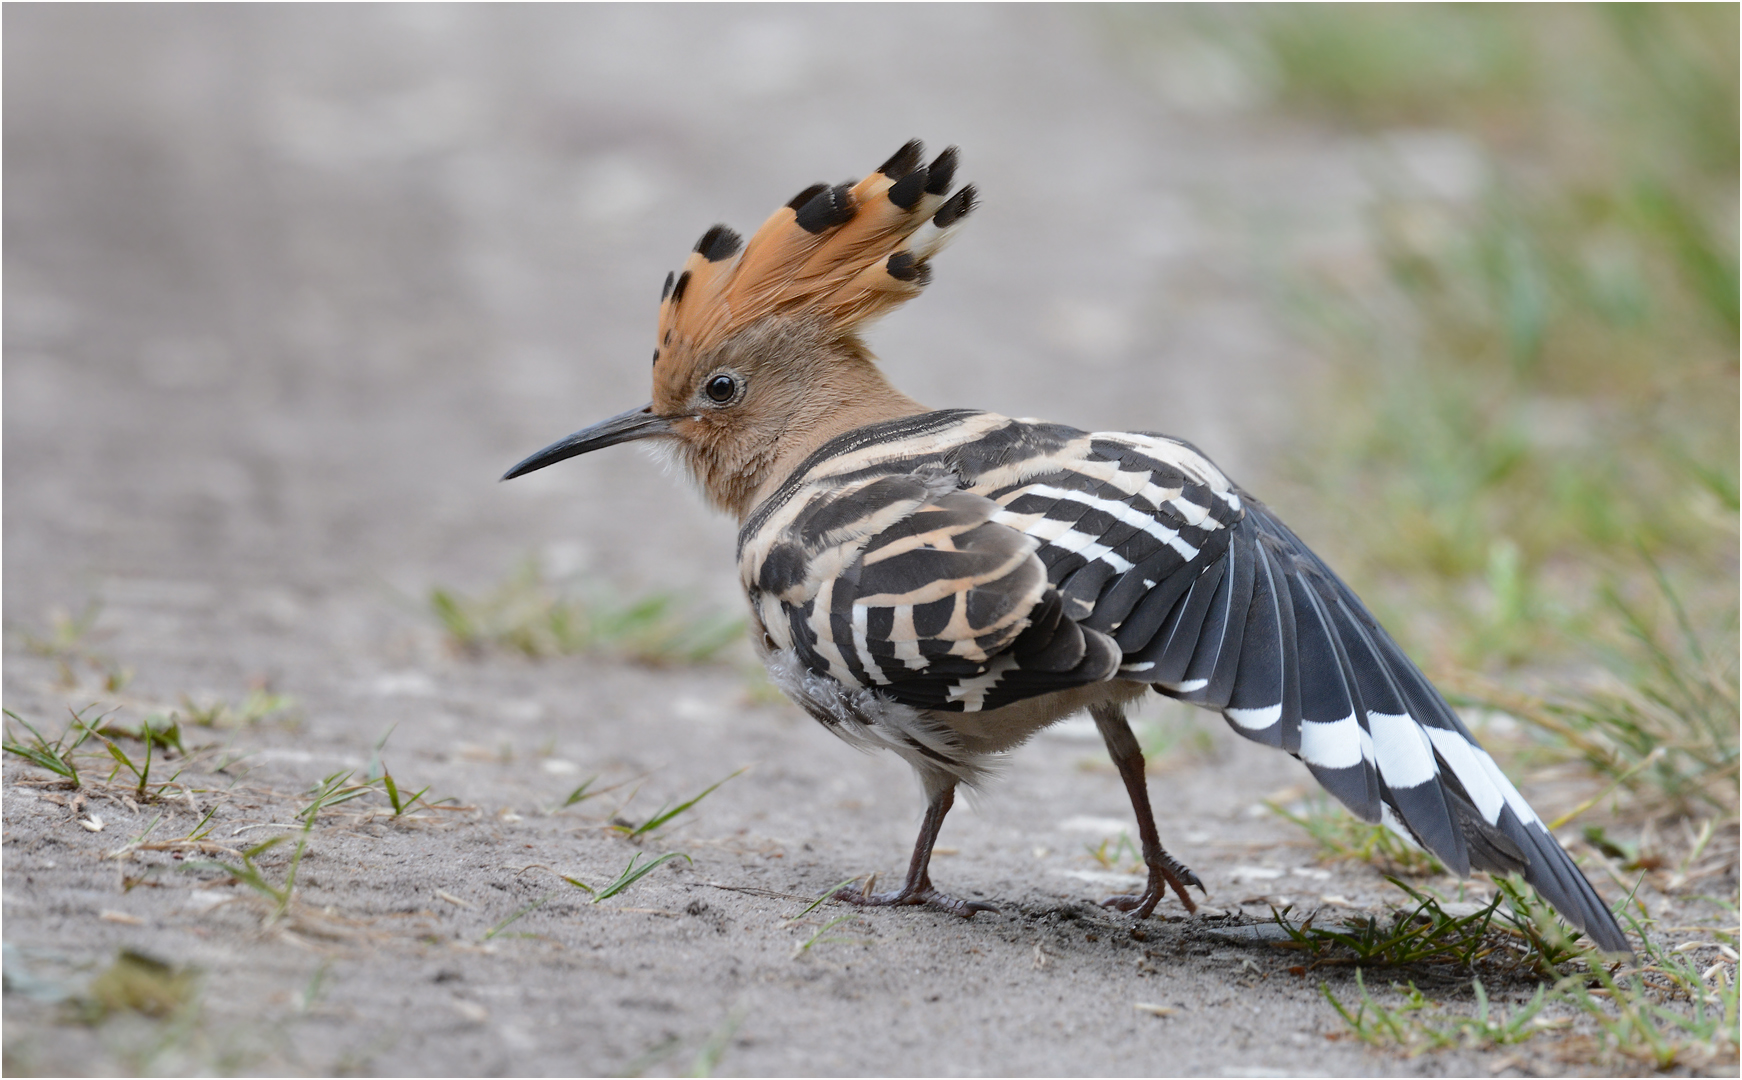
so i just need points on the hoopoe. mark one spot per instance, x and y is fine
(946, 583)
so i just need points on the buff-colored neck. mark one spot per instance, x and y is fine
(796, 409)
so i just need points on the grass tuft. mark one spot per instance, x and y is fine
(137, 982)
(1667, 737)
(1418, 1025)
(259, 705)
(249, 873)
(533, 615)
(56, 756)
(823, 937)
(68, 644)
(1663, 1014)
(1124, 851)
(336, 789)
(1424, 934)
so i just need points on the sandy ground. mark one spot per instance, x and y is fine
(287, 288)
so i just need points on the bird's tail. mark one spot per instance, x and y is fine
(1332, 687)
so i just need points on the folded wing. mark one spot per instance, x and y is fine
(907, 584)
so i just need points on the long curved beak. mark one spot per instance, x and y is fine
(624, 427)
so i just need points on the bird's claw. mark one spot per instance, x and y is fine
(1170, 872)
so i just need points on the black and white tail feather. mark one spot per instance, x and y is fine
(961, 561)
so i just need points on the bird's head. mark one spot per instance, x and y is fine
(758, 359)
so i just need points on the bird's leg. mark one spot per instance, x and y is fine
(1164, 869)
(918, 888)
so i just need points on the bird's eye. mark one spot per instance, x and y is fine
(720, 388)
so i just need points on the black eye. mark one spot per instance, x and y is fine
(721, 388)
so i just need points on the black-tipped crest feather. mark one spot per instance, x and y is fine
(719, 243)
(907, 191)
(958, 206)
(843, 253)
(903, 160)
(942, 172)
(826, 209)
(805, 196)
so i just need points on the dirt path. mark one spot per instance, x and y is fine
(287, 288)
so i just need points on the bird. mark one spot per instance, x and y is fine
(945, 583)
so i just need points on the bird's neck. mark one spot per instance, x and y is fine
(860, 396)
(833, 399)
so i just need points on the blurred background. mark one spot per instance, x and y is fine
(1454, 288)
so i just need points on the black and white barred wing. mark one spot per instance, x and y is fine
(1214, 601)
(905, 584)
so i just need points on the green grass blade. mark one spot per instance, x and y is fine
(827, 895)
(633, 873)
(664, 815)
(525, 910)
(825, 928)
(41, 752)
(581, 794)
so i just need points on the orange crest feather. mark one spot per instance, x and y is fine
(846, 253)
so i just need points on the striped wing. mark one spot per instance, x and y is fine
(908, 584)
(1214, 601)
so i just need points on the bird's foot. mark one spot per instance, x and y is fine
(1167, 871)
(921, 895)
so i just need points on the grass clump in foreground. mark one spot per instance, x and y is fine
(56, 756)
(60, 756)
(1662, 1012)
(532, 614)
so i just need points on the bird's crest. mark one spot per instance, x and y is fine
(841, 254)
